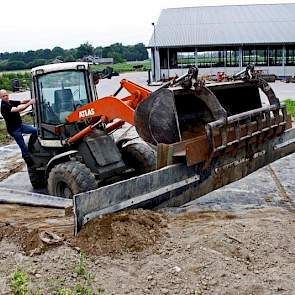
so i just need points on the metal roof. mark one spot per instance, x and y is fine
(225, 25)
(59, 67)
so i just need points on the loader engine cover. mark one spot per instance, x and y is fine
(174, 114)
(101, 155)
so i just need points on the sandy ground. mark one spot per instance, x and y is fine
(187, 253)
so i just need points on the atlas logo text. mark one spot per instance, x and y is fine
(86, 113)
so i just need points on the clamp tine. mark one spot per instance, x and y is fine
(210, 136)
(223, 133)
(248, 125)
(237, 130)
(259, 121)
(268, 121)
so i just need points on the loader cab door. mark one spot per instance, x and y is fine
(59, 94)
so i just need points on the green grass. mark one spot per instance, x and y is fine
(290, 107)
(123, 67)
(6, 79)
(19, 281)
(28, 71)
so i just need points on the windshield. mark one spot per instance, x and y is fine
(60, 94)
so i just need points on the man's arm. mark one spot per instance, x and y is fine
(22, 107)
(24, 101)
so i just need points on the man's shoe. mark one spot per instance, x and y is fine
(28, 159)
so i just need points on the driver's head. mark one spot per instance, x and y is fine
(4, 95)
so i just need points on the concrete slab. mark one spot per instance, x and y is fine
(19, 181)
(13, 196)
(263, 188)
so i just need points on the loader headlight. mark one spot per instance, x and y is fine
(39, 72)
(80, 67)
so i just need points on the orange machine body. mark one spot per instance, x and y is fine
(110, 108)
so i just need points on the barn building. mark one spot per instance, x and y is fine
(224, 38)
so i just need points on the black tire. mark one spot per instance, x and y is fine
(37, 178)
(70, 178)
(140, 157)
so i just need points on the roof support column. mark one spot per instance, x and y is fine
(268, 59)
(241, 57)
(157, 65)
(196, 57)
(284, 60)
(168, 62)
(156, 71)
(211, 73)
(153, 64)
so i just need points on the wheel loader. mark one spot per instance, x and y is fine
(193, 138)
(65, 161)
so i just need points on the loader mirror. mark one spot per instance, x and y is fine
(96, 77)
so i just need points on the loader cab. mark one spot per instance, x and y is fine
(59, 90)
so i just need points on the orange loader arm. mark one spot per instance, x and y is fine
(110, 108)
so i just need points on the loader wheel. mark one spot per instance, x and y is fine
(140, 157)
(37, 178)
(70, 178)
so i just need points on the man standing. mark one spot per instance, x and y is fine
(10, 111)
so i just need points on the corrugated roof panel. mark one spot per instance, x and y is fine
(222, 25)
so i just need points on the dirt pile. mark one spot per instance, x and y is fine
(119, 233)
(32, 242)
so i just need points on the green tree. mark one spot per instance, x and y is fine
(29, 56)
(37, 62)
(69, 57)
(84, 50)
(98, 51)
(57, 51)
(116, 56)
(15, 65)
(23, 60)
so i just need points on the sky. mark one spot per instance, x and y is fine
(32, 24)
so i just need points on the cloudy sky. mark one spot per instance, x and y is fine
(33, 24)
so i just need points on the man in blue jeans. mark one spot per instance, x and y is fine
(10, 111)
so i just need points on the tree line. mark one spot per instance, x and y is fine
(31, 58)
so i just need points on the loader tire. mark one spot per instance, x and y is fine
(37, 178)
(140, 157)
(70, 178)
